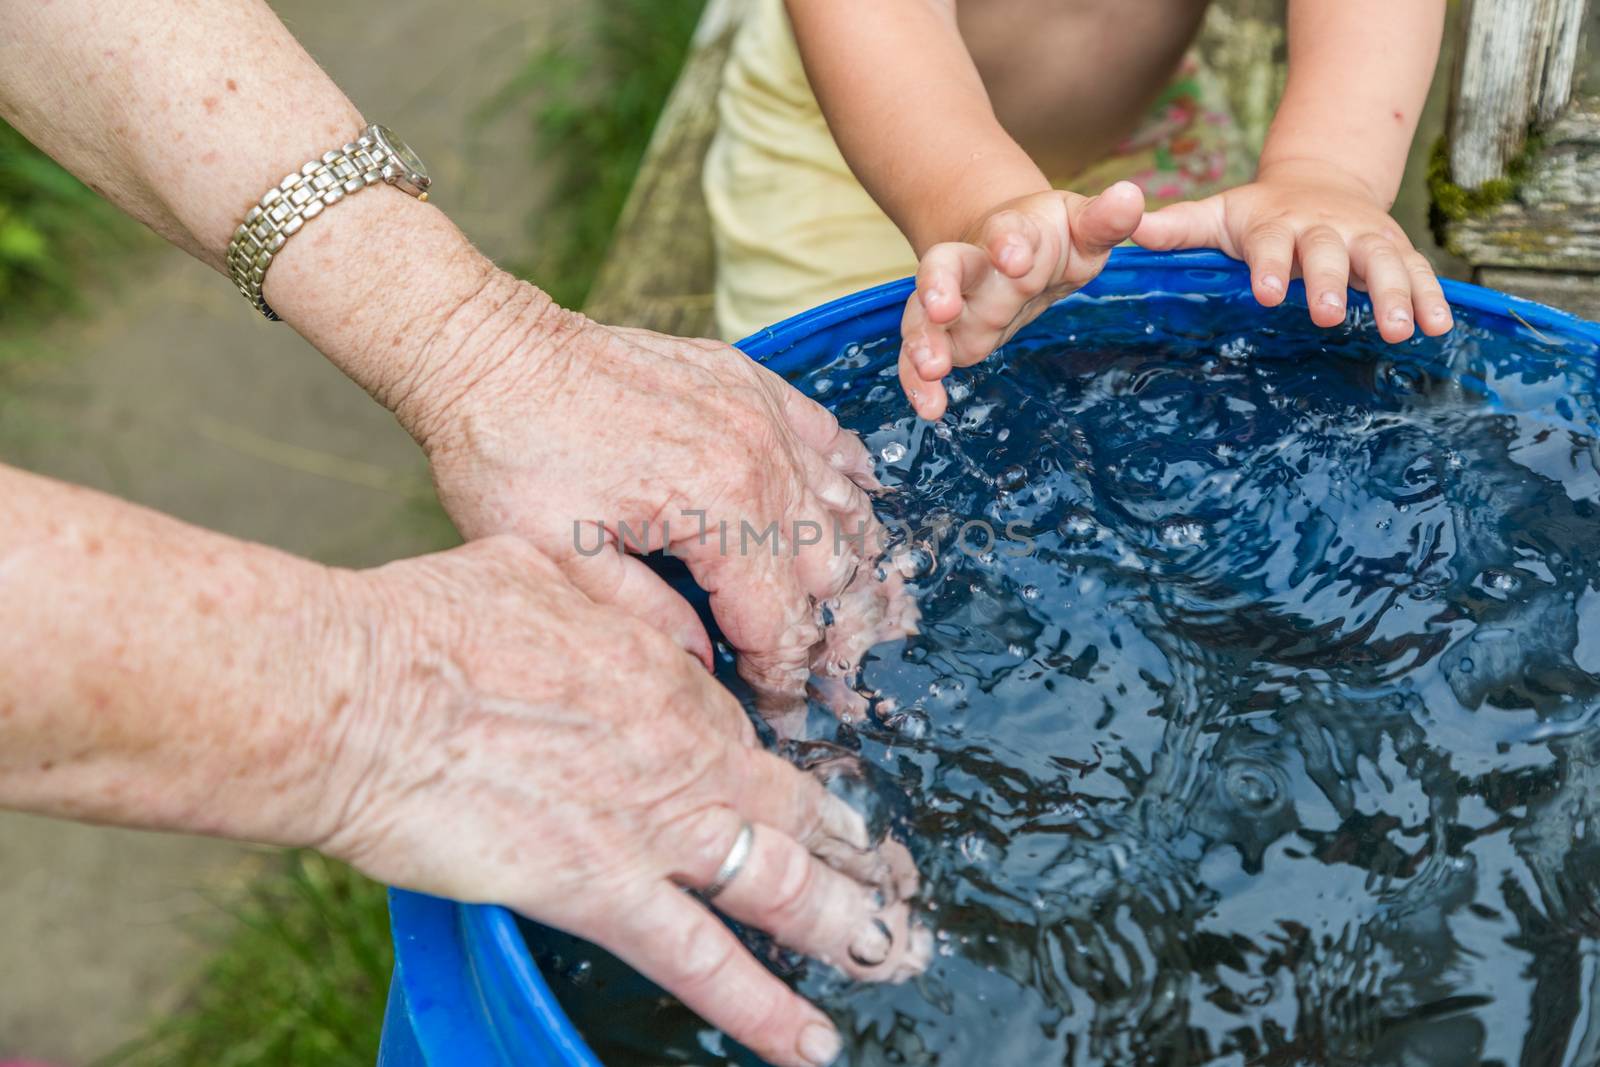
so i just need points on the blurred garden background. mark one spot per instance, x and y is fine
(126, 366)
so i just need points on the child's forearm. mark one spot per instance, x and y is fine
(914, 123)
(1358, 75)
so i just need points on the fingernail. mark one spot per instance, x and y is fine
(1331, 300)
(1399, 315)
(936, 296)
(1271, 282)
(819, 1044)
(872, 944)
(921, 357)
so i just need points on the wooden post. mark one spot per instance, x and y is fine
(1527, 223)
(1516, 68)
(661, 266)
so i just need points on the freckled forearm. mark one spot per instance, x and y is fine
(1359, 72)
(156, 675)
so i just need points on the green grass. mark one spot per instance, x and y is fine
(51, 227)
(302, 978)
(597, 91)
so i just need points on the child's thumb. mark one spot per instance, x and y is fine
(1105, 221)
(1186, 224)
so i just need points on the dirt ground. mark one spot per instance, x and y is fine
(174, 394)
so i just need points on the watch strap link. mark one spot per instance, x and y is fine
(287, 206)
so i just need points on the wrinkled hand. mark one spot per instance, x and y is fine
(973, 295)
(598, 444)
(513, 742)
(1308, 220)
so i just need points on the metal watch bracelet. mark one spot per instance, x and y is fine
(376, 156)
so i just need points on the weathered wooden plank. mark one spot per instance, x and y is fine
(661, 266)
(1513, 236)
(1577, 293)
(1553, 222)
(1516, 67)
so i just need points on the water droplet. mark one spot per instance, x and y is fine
(915, 561)
(893, 452)
(1251, 786)
(1466, 665)
(958, 391)
(1029, 592)
(1078, 529)
(1012, 478)
(1501, 581)
(911, 724)
(1005, 432)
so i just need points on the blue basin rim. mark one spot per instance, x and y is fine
(469, 985)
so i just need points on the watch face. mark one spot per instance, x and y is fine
(402, 151)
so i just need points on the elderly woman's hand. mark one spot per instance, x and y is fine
(515, 742)
(593, 442)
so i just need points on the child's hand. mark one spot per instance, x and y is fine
(1019, 259)
(1308, 220)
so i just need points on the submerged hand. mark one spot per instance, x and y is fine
(508, 740)
(973, 295)
(594, 443)
(1305, 220)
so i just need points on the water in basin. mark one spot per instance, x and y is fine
(1263, 731)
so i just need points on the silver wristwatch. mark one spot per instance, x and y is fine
(376, 156)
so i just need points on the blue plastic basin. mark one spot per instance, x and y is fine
(466, 990)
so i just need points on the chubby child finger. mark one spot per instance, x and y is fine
(1186, 224)
(946, 273)
(924, 344)
(1377, 262)
(1325, 265)
(1427, 295)
(1013, 241)
(1269, 249)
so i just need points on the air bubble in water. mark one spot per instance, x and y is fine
(1078, 529)
(911, 724)
(1030, 592)
(1013, 478)
(973, 848)
(893, 452)
(1501, 581)
(1182, 533)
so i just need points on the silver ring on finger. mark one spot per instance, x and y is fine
(738, 855)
